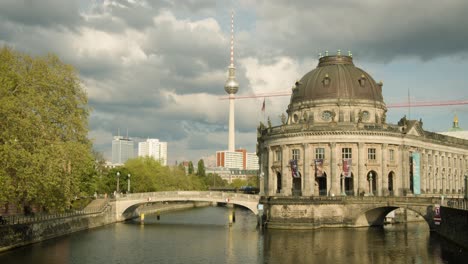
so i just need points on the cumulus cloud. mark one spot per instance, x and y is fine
(158, 67)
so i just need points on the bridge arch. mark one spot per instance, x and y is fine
(375, 215)
(127, 204)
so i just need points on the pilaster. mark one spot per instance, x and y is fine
(361, 180)
(383, 191)
(285, 172)
(307, 183)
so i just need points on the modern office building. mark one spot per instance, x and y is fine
(239, 159)
(122, 150)
(155, 149)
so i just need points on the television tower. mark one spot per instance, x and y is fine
(231, 88)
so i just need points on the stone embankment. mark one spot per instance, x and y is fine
(22, 231)
(454, 225)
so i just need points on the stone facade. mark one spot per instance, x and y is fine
(336, 137)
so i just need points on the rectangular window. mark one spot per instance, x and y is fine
(278, 155)
(320, 153)
(391, 154)
(346, 153)
(296, 154)
(371, 154)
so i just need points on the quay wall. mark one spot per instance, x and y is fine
(17, 235)
(453, 225)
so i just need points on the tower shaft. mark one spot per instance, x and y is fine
(232, 139)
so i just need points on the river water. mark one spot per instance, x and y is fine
(202, 235)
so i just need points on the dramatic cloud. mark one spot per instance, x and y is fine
(158, 67)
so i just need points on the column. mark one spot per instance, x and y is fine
(285, 172)
(271, 175)
(405, 167)
(307, 183)
(263, 173)
(383, 191)
(334, 178)
(398, 181)
(361, 177)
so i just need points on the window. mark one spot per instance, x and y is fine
(346, 153)
(371, 154)
(391, 154)
(296, 154)
(278, 155)
(320, 153)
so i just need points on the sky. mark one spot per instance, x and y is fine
(157, 68)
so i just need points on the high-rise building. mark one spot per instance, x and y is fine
(155, 149)
(239, 159)
(122, 149)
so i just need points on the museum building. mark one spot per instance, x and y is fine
(335, 140)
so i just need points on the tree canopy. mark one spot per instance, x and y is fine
(45, 155)
(201, 168)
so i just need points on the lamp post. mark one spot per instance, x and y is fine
(118, 177)
(371, 192)
(128, 183)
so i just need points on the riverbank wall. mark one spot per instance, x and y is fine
(21, 234)
(453, 225)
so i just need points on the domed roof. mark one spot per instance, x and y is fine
(337, 78)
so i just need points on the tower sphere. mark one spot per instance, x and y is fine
(231, 86)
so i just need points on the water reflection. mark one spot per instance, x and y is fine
(392, 244)
(204, 236)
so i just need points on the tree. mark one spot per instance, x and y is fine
(45, 154)
(190, 167)
(201, 168)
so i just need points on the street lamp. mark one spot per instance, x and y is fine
(118, 177)
(128, 182)
(370, 184)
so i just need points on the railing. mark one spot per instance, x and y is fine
(188, 195)
(38, 217)
(456, 203)
(362, 199)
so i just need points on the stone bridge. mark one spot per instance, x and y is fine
(316, 212)
(125, 205)
(294, 212)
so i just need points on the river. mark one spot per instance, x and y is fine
(202, 235)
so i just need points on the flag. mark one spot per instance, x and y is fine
(319, 168)
(263, 106)
(347, 167)
(294, 170)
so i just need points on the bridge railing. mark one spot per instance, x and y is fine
(363, 199)
(190, 194)
(38, 217)
(458, 203)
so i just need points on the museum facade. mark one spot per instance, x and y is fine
(335, 141)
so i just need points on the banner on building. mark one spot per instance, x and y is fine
(416, 172)
(294, 170)
(347, 167)
(319, 168)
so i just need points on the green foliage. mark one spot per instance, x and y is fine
(214, 180)
(190, 168)
(45, 155)
(148, 175)
(201, 168)
(237, 183)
